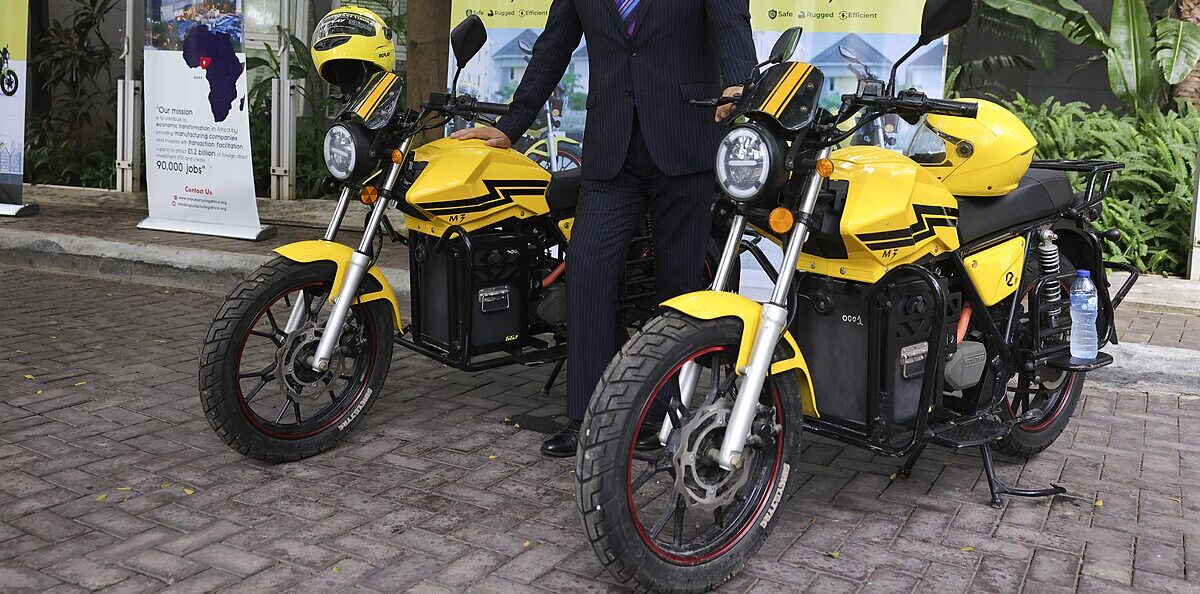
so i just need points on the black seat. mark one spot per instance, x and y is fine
(563, 194)
(1041, 193)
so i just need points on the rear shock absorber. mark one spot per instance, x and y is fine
(1049, 265)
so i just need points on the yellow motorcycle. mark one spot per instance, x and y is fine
(300, 350)
(920, 301)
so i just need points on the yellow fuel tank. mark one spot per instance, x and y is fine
(896, 212)
(472, 185)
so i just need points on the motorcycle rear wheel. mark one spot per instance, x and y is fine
(646, 526)
(255, 387)
(1055, 393)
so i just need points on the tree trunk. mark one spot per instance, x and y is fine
(1189, 89)
(428, 52)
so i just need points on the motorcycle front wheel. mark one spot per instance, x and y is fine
(672, 520)
(257, 388)
(9, 83)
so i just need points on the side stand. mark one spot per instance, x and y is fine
(998, 487)
(558, 365)
(911, 461)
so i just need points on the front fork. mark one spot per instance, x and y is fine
(360, 263)
(771, 326)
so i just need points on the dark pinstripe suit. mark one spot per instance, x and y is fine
(645, 149)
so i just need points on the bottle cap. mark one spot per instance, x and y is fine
(1084, 273)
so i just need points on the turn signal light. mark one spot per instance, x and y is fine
(781, 220)
(398, 157)
(824, 167)
(369, 195)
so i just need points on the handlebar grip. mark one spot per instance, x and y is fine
(496, 109)
(962, 109)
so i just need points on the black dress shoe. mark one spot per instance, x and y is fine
(564, 443)
(647, 439)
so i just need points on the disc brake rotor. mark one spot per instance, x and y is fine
(698, 477)
(293, 364)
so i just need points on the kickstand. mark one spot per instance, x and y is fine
(911, 461)
(558, 365)
(998, 487)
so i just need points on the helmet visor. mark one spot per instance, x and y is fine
(926, 147)
(345, 24)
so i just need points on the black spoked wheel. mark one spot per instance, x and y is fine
(672, 519)
(257, 384)
(9, 83)
(569, 157)
(1043, 399)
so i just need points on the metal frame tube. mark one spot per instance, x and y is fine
(729, 253)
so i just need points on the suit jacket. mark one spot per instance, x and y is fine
(681, 50)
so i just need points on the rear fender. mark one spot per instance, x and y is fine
(712, 305)
(306, 252)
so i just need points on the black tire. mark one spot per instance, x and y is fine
(240, 317)
(10, 83)
(604, 464)
(1057, 397)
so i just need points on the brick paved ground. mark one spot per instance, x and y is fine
(1160, 329)
(110, 479)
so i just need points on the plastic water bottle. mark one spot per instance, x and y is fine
(1084, 338)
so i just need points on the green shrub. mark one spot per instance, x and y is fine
(1151, 200)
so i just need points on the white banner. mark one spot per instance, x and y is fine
(13, 80)
(199, 175)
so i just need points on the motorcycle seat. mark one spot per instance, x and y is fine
(563, 194)
(1040, 194)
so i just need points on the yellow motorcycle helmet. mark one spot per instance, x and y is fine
(982, 156)
(349, 45)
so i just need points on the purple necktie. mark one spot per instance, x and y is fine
(625, 8)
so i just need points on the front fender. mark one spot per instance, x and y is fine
(712, 305)
(305, 252)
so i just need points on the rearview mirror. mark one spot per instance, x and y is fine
(786, 45)
(848, 55)
(943, 16)
(467, 39)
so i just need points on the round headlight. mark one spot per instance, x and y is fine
(341, 152)
(745, 163)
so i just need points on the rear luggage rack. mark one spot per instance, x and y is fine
(1097, 173)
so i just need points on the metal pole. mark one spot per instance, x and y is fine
(1194, 257)
(283, 125)
(129, 129)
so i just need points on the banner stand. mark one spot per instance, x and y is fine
(259, 233)
(18, 210)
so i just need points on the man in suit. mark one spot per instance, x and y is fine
(645, 150)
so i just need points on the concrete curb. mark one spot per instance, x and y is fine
(208, 271)
(1162, 295)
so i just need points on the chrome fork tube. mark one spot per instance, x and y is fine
(357, 269)
(771, 326)
(300, 308)
(689, 374)
(339, 213)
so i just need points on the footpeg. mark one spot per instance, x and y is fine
(974, 433)
(1029, 416)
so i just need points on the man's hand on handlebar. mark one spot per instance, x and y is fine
(724, 111)
(491, 136)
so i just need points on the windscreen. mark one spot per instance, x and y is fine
(788, 92)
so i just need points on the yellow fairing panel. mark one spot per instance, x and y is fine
(711, 305)
(896, 213)
(318, 251)
(472, 185)
(996, 271)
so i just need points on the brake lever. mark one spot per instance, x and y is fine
(715, 102)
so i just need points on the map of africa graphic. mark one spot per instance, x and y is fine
(214, 53)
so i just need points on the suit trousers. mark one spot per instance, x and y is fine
(608, 214)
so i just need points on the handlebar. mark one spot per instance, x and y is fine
(715, 102)
(916, 103)
(465, 105)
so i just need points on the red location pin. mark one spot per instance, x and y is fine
(205, 61)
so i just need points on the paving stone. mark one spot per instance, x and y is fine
(410, 501)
